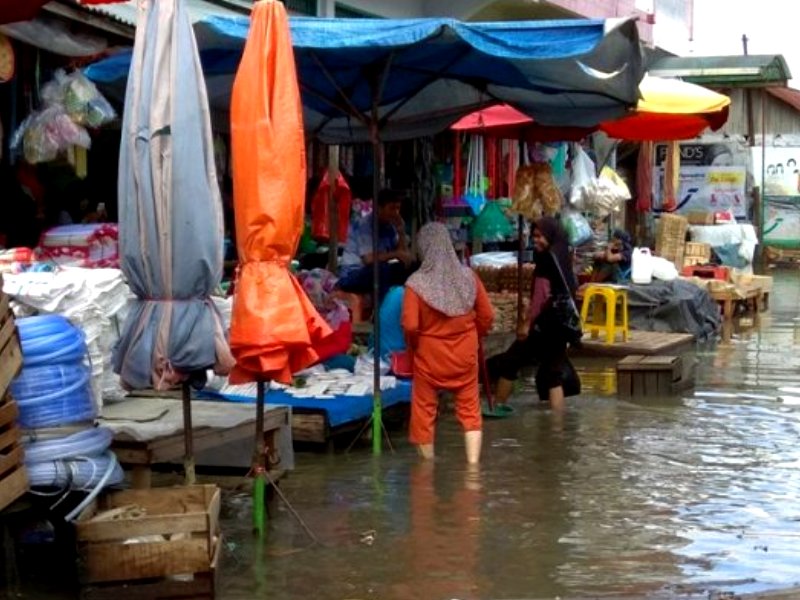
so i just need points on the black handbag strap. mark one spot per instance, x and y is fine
(564, 281)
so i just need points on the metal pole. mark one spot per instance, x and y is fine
(377, 402)
(762, 195)
(333, 209)
(188, 437)
(520, 243)
(258, 468)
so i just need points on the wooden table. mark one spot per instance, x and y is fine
(141, 454)
(728, 298)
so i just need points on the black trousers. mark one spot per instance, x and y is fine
(550, 354)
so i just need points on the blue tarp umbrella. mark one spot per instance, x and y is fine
(370, 80)
(170, 213)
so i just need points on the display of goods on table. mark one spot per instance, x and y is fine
(15, 260)
(90, 245)
(505, 311)
(671, 238)
(504, 279)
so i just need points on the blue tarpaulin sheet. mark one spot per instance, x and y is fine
(423, 74)
(339, 409)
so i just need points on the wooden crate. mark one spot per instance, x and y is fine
(177, 535)
(10, 351)
(671, 238)
(639, 375)
(698, 250)
(13, 479)
(700, 217)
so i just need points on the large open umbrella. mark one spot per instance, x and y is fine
(374, 80)
(273, 325)
(668, 109)
(170, 214)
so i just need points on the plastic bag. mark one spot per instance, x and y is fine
(492, 224)
(536, 192)
(663, 269)
(320, 219)
(583, 175)
(364, 365)
(475, 193)
(84, 103)
(50, 132)
(578, 229)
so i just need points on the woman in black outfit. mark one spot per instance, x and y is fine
(541, 338)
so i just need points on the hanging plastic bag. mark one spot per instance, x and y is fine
(48, 133)
(320, 220)
(578, 229)
(546, 189)
(583, 175)
(475, 195)
(492, 224)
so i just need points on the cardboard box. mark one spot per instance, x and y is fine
(699, 217)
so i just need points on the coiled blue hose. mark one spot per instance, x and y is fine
(50, 339)
(53, 395)
(88, 442)
(80, 473)
(54, 387)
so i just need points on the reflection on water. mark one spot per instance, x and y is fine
(691, 494)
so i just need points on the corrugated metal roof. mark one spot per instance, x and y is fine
(125, 12)
(789, 95)
(752, 70)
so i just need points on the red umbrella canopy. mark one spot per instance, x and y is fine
(273, 325)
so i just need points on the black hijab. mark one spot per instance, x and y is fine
(557, 255)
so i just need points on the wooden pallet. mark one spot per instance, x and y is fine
(10, 351)
(13, 479)
(651, 376)
(648, 343)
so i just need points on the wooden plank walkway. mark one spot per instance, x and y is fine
(648, 343)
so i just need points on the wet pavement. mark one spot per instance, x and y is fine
(690, 496)
(683, 496)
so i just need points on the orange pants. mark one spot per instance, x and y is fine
(425, 404)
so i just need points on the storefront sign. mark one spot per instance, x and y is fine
(781, 173)
(708, 189)
(782, 221)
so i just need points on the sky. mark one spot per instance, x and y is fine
(772, 27)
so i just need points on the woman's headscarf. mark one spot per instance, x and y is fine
(626, 242)
(442, 281)
(557, 254)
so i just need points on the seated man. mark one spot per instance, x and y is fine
(356, 275)
(613, 265)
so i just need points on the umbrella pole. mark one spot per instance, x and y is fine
(377, 402)
(188, 435)
(258, 468)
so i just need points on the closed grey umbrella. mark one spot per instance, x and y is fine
(170, 212)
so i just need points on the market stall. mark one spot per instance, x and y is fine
(374, 81)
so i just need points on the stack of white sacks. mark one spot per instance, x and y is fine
(95, 300)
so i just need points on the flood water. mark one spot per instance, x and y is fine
(655, 497)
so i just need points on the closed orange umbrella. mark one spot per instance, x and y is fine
(274, 325)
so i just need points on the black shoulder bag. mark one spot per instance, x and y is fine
(561, 316)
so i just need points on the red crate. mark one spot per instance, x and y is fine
(707, 272)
